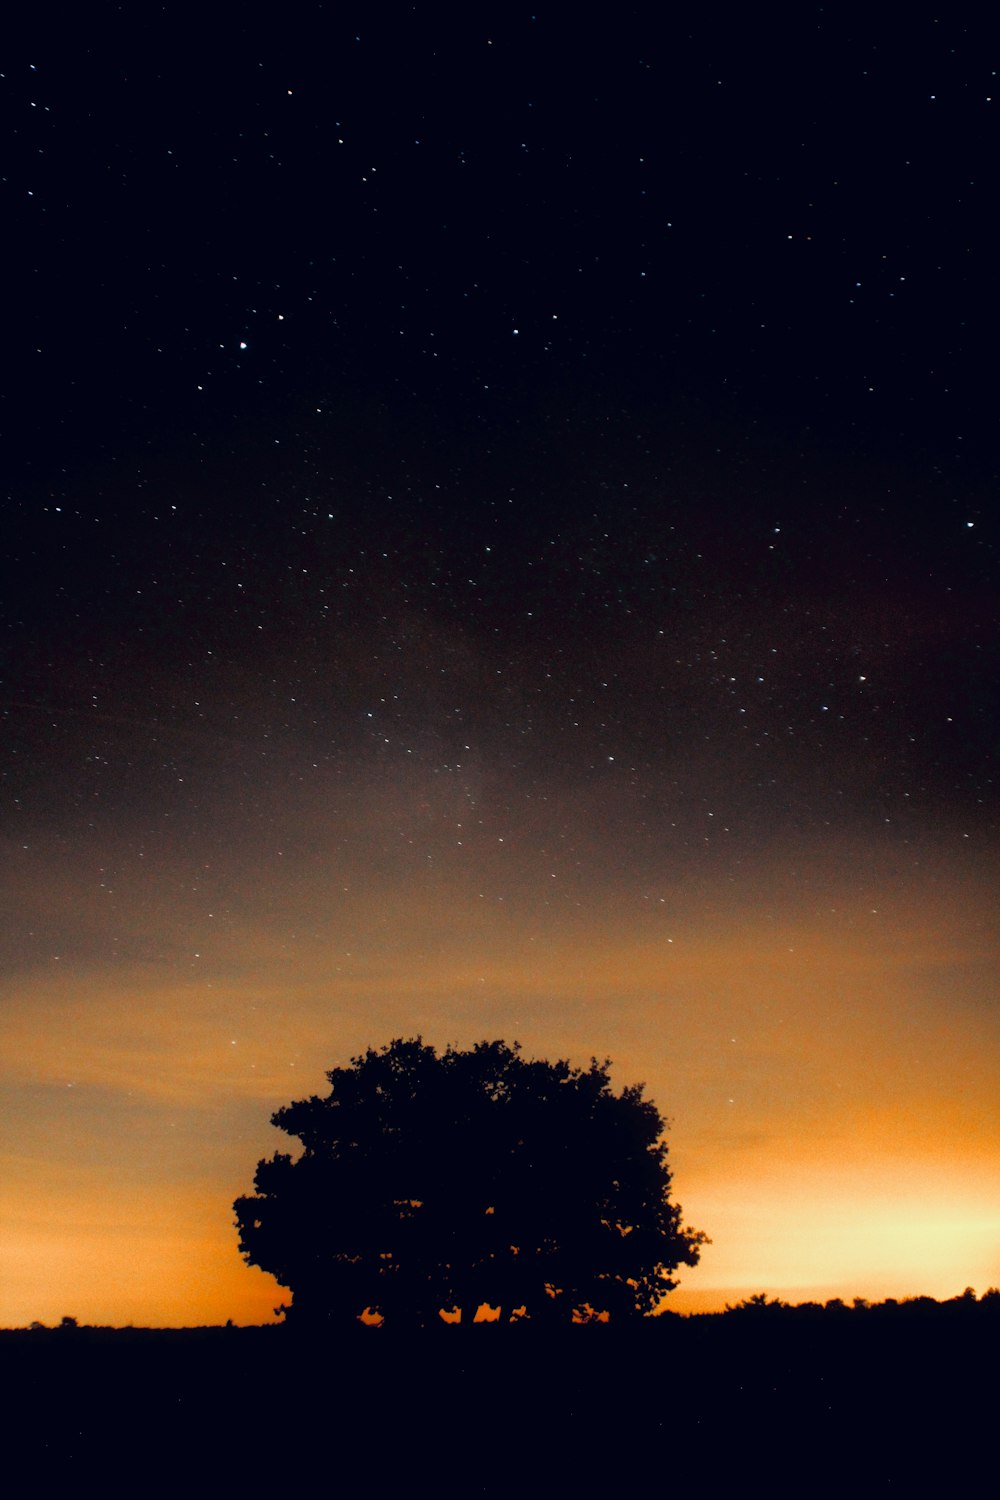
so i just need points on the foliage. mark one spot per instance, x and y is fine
(431, 1183)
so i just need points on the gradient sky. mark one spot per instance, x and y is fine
(500, 541)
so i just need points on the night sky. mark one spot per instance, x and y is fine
(499, 540)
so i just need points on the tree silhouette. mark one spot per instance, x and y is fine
(432, 1183)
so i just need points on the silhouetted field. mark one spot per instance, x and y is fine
(784, 1400)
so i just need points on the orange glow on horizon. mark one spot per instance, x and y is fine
(831, 1124)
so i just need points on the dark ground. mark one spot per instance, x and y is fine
(857, 1404)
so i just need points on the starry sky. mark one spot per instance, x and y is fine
(500, 540)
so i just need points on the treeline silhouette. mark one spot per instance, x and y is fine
(967, 1304)
(809, 1398)
(891, 1307)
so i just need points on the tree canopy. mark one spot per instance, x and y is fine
(432, 1183)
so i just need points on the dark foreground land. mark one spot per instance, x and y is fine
(859, 1404)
